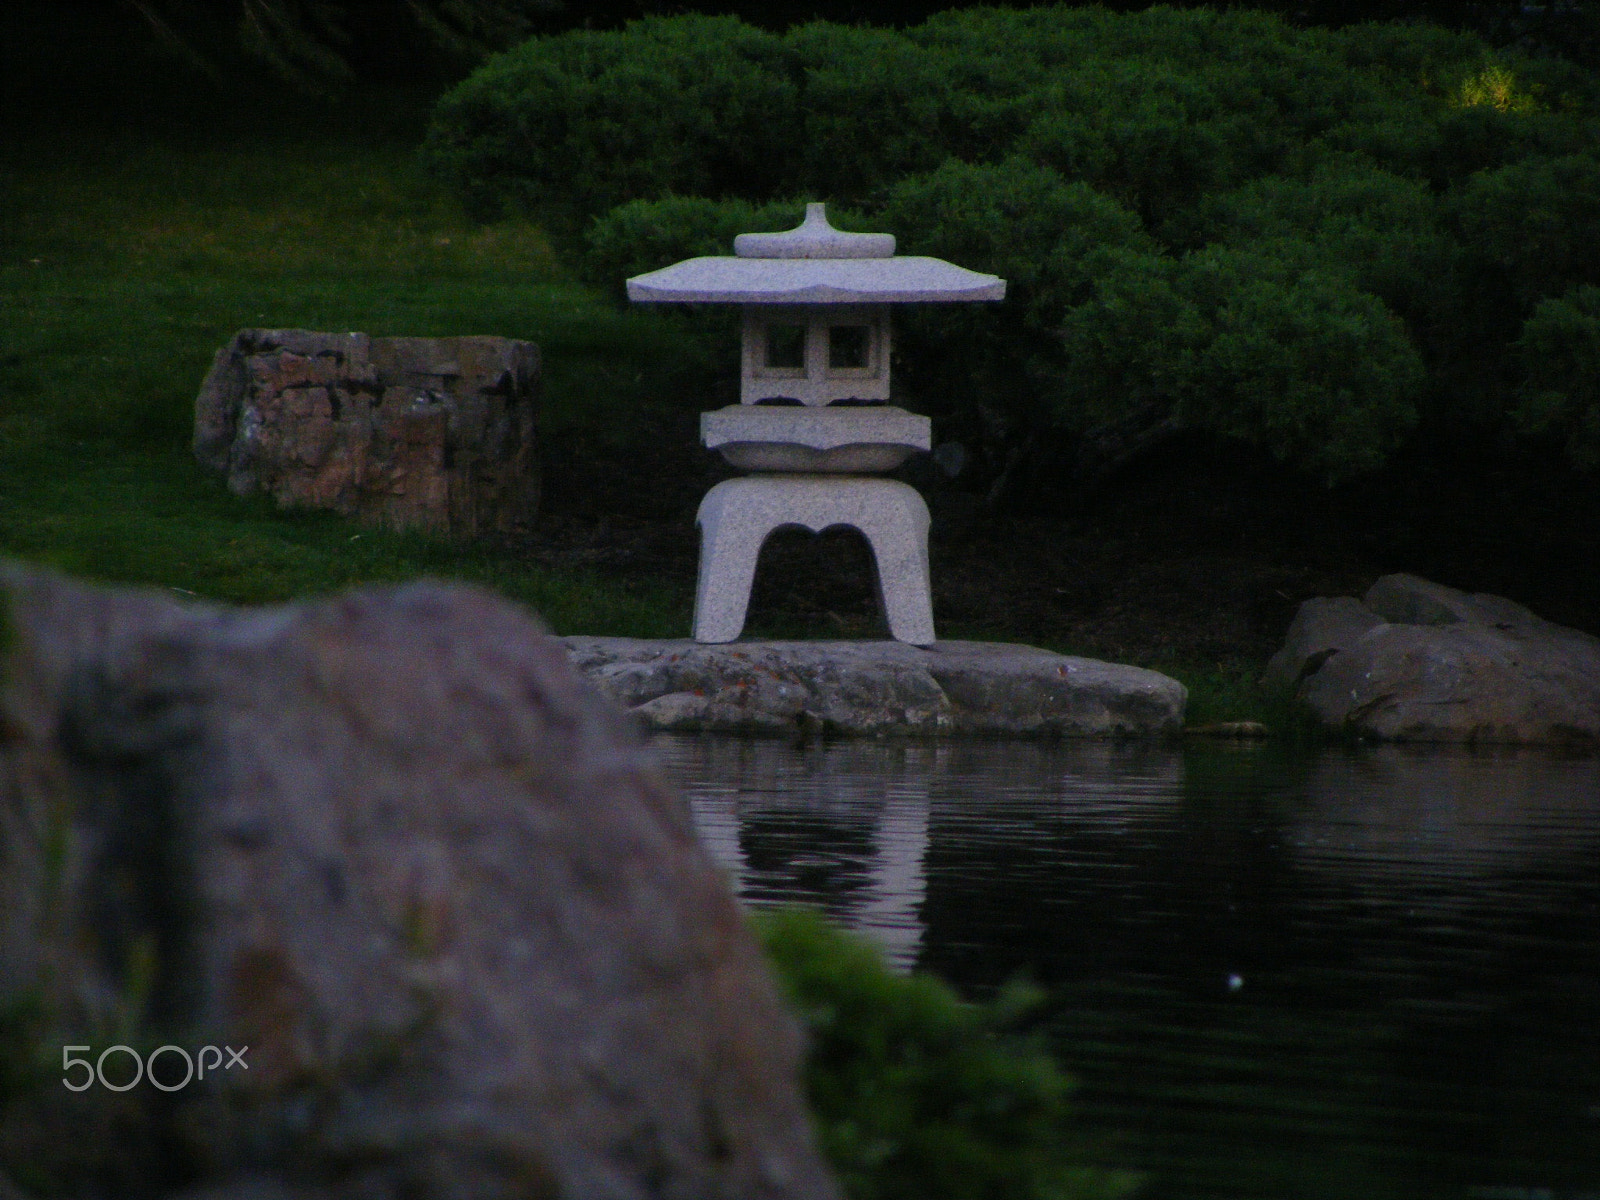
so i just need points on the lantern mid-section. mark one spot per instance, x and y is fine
(814, 421)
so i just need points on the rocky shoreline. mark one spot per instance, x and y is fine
(878, 688)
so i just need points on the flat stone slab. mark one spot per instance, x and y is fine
(878, 688)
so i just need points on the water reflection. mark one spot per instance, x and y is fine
(1443, 817)
(1357, 974)
(846, 825)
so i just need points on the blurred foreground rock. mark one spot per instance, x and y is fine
(396, 846)
(1417, 661)
(879, 687)
(412, 433)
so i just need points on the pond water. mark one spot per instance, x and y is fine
(1362, 973)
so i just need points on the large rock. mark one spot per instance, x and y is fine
(396, 846)
(413, 433)
(1417, 661)
(878, 688)
(1321, 628)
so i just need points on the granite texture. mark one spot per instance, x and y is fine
(1321, 627)
(851, 440)
(904, 279)
(1417, 661)
(814, 263)
(817, 381)
(738, 515)
(878, 688)
(814, 237)
(435, 434)
(396, 846)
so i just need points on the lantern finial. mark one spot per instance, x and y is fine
(814, 238)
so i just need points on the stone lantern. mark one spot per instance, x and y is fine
(813, 425)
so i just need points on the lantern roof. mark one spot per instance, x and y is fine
(815, 263)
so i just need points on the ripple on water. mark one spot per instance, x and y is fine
(1358, 973)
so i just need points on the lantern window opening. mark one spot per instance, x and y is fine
(850, 349)
(785, 349)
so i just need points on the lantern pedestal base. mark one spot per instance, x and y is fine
(738, 515)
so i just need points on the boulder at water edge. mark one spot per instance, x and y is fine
(1417, 661)
(396, 846)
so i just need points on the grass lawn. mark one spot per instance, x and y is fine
(128, 256)
(143, 223)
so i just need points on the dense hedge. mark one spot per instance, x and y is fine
(1319, 241)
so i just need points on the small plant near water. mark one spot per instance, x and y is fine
(920, 1095)
(1233, 693)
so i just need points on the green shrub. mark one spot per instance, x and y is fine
(1389, 203)
(1538, 221)
(873, 107)
(1155, 135)
(1249, 343)
(919, 1095)
(1018, 218)
(1381, 231)
(1133, 348)
(1050, 239)
(1300, 362)
(1561, 346)
(567, 127)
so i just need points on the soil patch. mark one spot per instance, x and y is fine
(1199, 554)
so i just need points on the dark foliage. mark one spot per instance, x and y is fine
(1316, 241)
(319, 44)
(316, 44)
(919, 1095)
